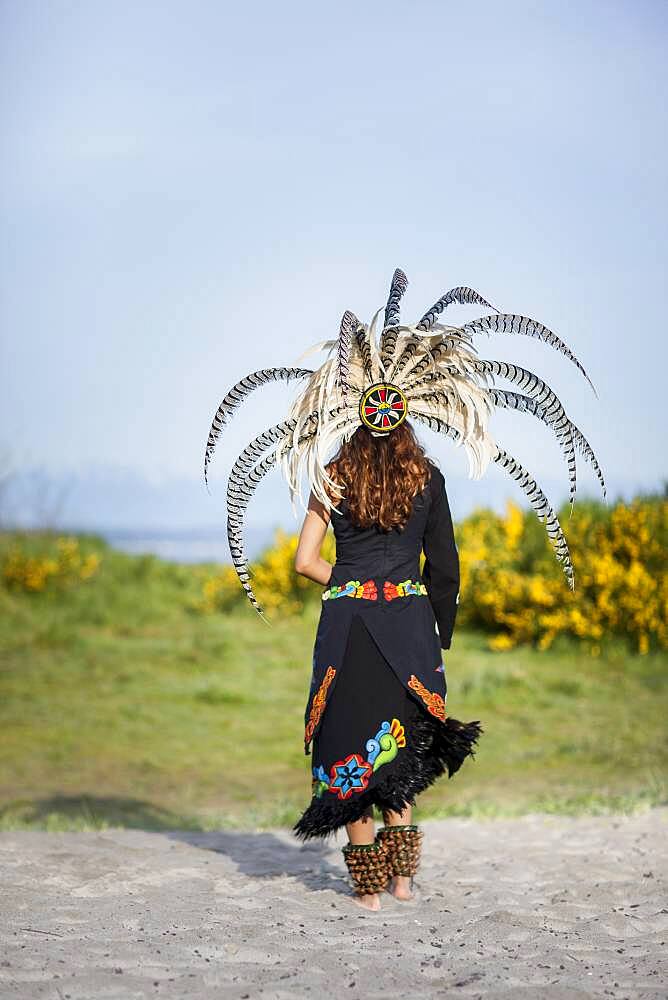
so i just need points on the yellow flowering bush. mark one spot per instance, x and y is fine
(511, 585)
(63, 565)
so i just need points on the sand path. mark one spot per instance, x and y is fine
(541, 906)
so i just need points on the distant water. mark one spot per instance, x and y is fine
(186, 546)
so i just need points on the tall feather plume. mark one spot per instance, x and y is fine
(524, 325)
(461, 295)
(236, 396)
(413, 342)
(388, 340)
(349, 325)
(398, 288)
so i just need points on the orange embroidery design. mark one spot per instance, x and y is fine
(434, 702)
(318, 704)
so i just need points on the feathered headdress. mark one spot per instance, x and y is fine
(428, 371)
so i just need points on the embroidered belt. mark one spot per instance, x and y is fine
(353, 588)
(369, 592)
(405, 589)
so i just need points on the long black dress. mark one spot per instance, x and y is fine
(376, 707)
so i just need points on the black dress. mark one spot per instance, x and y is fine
(376, 707)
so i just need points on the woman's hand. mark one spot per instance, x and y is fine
(308, 562)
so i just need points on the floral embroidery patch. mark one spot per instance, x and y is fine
(351, 775)
(403, 589)
(434, 702)
(353, 588)
(318, 704)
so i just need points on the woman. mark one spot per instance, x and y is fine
(384, 736)
(376, 706)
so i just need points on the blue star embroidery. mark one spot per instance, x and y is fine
(350, 775)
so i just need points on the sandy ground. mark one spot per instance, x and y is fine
(535, 907)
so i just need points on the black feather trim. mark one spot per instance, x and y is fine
(436, 747)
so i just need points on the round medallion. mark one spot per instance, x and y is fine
(383, 407)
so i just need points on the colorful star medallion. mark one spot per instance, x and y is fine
(350, 775)
(383, 407)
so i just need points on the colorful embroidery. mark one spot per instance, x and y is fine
(318, 704)
(403, 589)
(353, 588)
(369, 592)
(434, 702)
(385, 745)
(383, 407)
(320, 781)
(350, 775)
(353, 773)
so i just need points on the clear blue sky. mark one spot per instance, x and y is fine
(191, 191)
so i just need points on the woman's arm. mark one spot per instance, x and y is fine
(441, 568)
(308, 561)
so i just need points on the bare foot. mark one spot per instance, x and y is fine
(369, 901)
(400, 887)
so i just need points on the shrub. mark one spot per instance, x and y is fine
(62, 564)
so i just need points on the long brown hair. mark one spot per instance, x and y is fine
(380, 476)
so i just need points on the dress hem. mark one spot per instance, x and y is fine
(437, 746)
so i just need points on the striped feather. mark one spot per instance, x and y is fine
(511, 323)
(430, 347)
(236, 396)
(538, 501)
(546, 398)
(555, 418)
(239, 497)
(409, 348)
(362, 340)
(349, 325)
(242, 488)
(388, 340)
(461, 295)
(250, 455)
(441, 426)
(586, 450)
(236, 486)
(442, 347)
(535, 494)
(397, 291)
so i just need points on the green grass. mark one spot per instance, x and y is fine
(122, 706)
